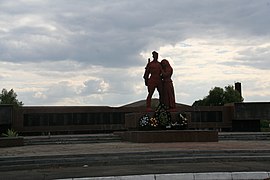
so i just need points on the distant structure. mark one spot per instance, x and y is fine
(238, 88)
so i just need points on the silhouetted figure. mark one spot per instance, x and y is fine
(168, 96)
(153, 69)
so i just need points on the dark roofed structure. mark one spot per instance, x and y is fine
(154, 102)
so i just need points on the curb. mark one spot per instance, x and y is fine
(187, 176)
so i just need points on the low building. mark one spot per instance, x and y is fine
(94, 119)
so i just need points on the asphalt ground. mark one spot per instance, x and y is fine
(191, 157)
(133, 170)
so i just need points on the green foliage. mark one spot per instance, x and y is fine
(9, 97)
(231, 95)
(265, 125)
(218, 97)
(10, 133)
(215, 97)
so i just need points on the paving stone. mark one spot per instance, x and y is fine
(213, 176)
(182, 176)
(249, 175)
(95, 178)
(136, 177)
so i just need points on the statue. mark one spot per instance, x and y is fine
(160, 79)
(168, 97)
(153, 69)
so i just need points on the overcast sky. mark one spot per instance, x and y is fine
(93, 52)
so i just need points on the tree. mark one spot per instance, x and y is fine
(231, 95)
(218, 97)
(215, 97)
(9, 97)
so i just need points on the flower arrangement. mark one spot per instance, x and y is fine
(153, 122)
(144, 121)
(162, 120)
(181, 122)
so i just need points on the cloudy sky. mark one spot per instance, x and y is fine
(93, 52)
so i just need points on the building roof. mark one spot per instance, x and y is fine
(154, 102)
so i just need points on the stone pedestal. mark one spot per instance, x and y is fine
(11, 141)
(168, 135)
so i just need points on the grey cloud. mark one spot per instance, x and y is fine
(65, 38)
(111, 81)
(60, 90)
(53, 95)
(94, 87)
(112, 34)
(256, 57)
(105, 33)
(57, 93)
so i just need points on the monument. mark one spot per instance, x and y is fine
(165, 123)
(158, 75)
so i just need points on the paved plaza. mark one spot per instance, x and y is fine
(125, 159)
(114, 147)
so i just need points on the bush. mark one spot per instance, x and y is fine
(265, 125)
(10, 133)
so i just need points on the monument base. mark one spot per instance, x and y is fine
(132, 119)
(161, 136)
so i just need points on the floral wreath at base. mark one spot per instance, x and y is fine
(144, 120)
(161, 118)
(181, 123)
(153, 122)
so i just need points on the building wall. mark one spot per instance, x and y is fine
(252, 110)
(71, 119)
(6, 117)
(6, 113)
(247, 115)
(210, 117)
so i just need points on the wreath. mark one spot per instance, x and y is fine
(144, 121)
(163, 116)
(153, 122)
(181, 122)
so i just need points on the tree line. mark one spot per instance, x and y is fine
(10, 97)
(219, 96)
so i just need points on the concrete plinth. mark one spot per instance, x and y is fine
(169, 136)
(11, 141)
